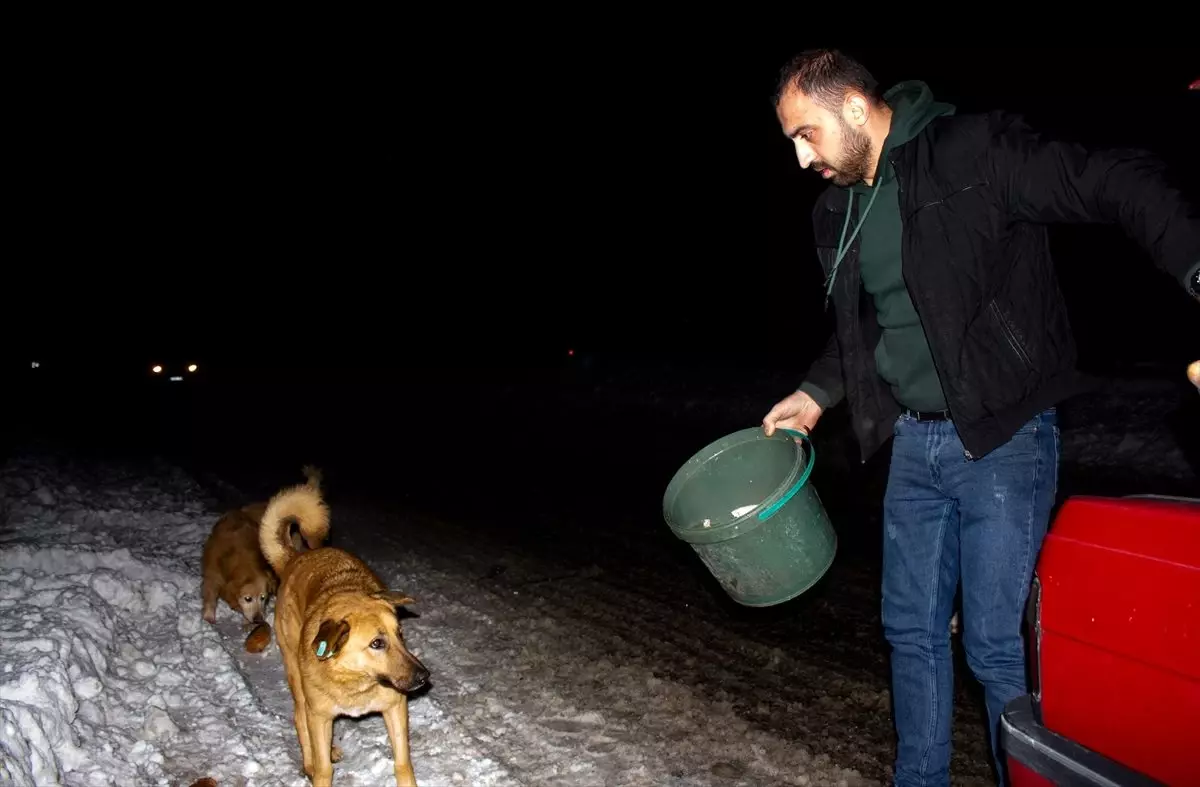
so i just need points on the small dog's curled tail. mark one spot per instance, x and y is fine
(301, 504)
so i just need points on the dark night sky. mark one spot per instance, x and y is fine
(512, 201)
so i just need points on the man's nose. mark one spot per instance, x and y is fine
(804, 155)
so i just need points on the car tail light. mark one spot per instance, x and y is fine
(1033, 623)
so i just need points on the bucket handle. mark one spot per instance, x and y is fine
(772, 509)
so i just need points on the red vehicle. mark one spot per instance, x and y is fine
(1114, 632)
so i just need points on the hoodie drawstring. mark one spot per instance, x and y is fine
(844, 244)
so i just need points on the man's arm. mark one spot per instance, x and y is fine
(1047, 181)
(824, 382)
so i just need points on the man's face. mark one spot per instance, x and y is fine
(825, 142)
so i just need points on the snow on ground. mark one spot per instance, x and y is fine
(112, 678)
(1126, 428)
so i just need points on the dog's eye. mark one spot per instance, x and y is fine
(379, 643)
(248, 599)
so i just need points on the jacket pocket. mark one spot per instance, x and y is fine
(930, 203)
(1010, 337)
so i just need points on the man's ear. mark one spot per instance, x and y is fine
(856, 110)
(330, 638)
(394, 597)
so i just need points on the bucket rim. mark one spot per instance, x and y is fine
(749, 520)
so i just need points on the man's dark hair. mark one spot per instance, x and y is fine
(825, 76)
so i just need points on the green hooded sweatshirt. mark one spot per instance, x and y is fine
(902, 356)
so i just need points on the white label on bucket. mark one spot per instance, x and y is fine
(743, 510)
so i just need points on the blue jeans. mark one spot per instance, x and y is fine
(948, 518)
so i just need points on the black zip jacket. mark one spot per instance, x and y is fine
(975, 193)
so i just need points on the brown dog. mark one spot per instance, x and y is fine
(337, 629)
(234, 569)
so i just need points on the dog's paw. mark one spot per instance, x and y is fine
(209, 617)
(335, 753)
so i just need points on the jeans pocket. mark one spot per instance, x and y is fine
(1030, 427)
(1046, 419)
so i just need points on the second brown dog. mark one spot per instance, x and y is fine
(233, 567)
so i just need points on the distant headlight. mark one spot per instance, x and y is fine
(156, 369)
(193, 368)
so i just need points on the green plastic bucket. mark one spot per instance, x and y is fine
(745, 506)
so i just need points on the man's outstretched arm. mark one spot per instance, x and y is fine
(1052, 181)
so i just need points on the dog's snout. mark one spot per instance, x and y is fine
(420, 677)
(414, 674)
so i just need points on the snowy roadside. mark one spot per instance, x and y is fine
(113, 679)
(1126, 429)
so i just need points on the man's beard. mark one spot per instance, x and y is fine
(855, 161)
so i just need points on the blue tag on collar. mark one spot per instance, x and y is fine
(321, 648)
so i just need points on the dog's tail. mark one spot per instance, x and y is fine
(301, 504)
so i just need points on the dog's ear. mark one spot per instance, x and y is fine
(394, 597)
(330, 638)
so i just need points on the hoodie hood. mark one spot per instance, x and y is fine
(913, 108)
